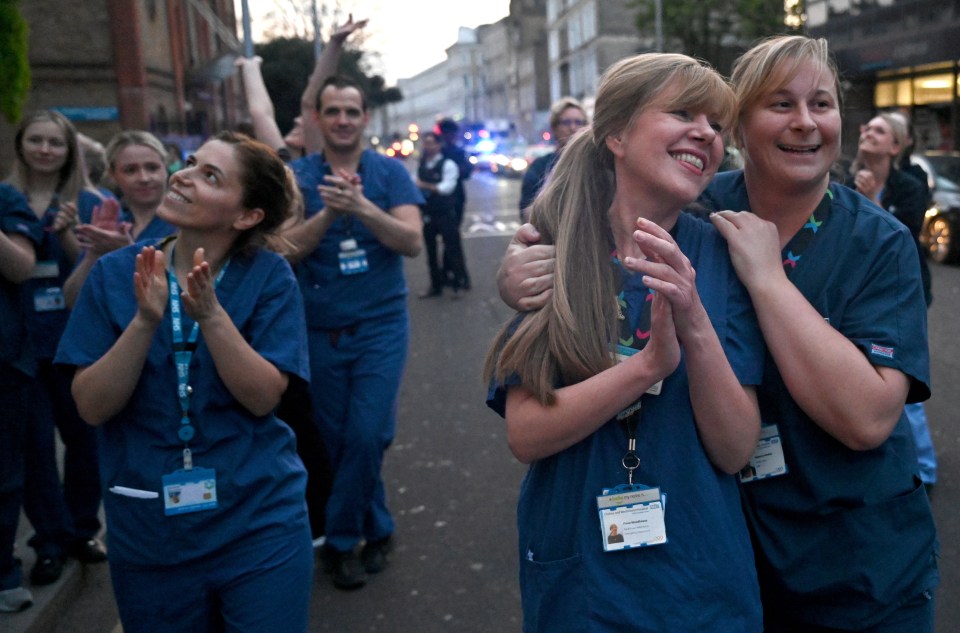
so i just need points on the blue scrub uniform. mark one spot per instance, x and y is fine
(260, 480)
(358, 330)
(17, 368)
(157, 227)
(61, 515)
(845, 537)
(703, 579)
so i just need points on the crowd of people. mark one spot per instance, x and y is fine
(221, 346)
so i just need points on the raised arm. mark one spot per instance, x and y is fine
(258, 102)
(326, 66)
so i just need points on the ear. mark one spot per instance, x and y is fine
(248, 219)
(615, 145)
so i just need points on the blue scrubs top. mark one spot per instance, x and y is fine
(16, 218)
(46, 324)
(157, 227)
(261, 482)
(333, 300)
(703, 579)
(845, 537)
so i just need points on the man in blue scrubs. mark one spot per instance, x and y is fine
(362, 215)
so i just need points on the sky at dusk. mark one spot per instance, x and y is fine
(409, 35)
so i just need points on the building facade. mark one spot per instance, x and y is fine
(895, 55)
(157, 65)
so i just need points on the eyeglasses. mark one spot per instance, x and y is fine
(571, 122)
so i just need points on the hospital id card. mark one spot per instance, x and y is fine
(353, 260)
(767, 459)
(189, 491)
(631, 519)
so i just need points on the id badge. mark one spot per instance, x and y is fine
(767, 460)
(631, 517)
(189, 491)
(49, 300)
(353, 260)
(623, 353)
(46, 269)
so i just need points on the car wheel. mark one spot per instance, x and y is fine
(940, 238)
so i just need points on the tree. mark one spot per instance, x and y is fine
(714, 30)
(14, 63)
(288, 62)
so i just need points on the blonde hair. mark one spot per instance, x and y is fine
(73, 175)
(568, 340)
(561, 104)
(771, 65)
(123, 140)
(900, 134)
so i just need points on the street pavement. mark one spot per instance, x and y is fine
(452, 482)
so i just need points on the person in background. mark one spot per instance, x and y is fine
(843, 531)
(136, 163)
(450, 133)
(181, 367)
(20, 236)
(876, 174)
(174, 157)
(49, 170)
(677, 398)
(567, 116)
(304, 138)
(437, 179)
(362, 217)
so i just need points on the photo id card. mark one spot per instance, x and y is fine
(189, 491)
(767, 460)
(49, 299)
(631, 519)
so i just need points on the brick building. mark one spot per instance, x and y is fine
(157, 65)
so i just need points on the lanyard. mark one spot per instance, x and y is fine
(183, 353)
(635, 337)
(804, 238)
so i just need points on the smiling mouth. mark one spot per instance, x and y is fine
(177, 197)
(796, 149)
(689, 158)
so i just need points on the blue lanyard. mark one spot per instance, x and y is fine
(183, 353)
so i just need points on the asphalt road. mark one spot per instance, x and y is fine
(452, 482)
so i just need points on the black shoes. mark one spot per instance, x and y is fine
(373, 556)
(90, 550)
(433, 292)
(47, 570)
(345, 568)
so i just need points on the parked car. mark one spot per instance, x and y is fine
(940, 234)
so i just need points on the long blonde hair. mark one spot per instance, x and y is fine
(568, 340)
(73, 175)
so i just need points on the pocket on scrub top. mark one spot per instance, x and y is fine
(552, 594)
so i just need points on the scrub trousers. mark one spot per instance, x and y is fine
(355, 380)
(13, 417)
(252, 586)
(926, 456)
(60, 514)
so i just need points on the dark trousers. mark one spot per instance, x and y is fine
(13, 418)
(452, 272)
(59, 513)
(295, 409)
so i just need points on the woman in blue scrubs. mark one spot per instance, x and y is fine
(842, 528)
(845, 537)
(650, 443)
(49, 171)
(182, 350)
